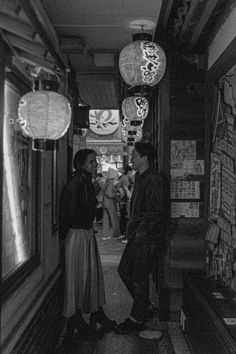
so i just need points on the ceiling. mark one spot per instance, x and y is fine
(86, 36)
(93, 33)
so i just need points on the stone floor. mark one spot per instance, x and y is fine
(117, 307)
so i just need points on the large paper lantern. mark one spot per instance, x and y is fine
(135, 107)
(142, 63)
(44, 115)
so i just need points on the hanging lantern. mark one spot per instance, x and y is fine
(44, 115)
(135, 107)
(142, 62)
(81, 115)
(132, 125)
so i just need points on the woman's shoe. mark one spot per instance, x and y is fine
(129, 326)
(78, 325)
(100, 318)
(124, 241)
(107, 238)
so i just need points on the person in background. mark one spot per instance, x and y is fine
(110, 227)
(99, 194)
(124, 187)
(84, 283)
(146, 236)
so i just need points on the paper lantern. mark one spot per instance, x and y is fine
(135, 107)
(132, 125)
(142, 63)
(44, 115)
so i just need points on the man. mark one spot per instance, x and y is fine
(145, 233)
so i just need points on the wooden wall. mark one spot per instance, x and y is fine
(183, 119)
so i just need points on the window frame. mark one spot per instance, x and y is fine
(21, 273)
(55, 187)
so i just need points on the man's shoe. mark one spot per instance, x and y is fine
(129, 326)
(107, 238)
(99, 317)
(77, 325)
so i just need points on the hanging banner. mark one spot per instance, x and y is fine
(104, 121)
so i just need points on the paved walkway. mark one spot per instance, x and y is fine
(117, 307)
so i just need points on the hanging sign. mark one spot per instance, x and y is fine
(104, 121)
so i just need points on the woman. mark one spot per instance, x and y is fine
(110, 227)
(84, 283)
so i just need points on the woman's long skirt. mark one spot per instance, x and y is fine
(84, 282)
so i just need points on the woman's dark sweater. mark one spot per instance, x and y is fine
(78, 203)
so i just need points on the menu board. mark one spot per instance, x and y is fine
(185, 192)
(181, 189)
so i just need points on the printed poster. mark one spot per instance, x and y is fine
(181, 189)
(186, 209)
(183, 150)
(186, 168)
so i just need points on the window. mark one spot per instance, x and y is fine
(21, 174)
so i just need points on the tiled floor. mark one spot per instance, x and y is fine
(117, 307)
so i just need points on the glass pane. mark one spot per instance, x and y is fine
(17, 230)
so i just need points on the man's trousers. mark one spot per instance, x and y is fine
(134, 269)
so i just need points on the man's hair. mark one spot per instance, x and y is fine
(81, 157)
(127, 169)
(146, 149)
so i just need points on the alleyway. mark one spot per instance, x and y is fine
(117, 307)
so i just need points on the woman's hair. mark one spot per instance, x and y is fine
(81, 157)
(146, 149)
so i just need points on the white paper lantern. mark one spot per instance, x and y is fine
(135, 107)
(142, 63)
(44, 115)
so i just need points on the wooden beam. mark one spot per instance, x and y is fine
(165, 12)
(193, 6)
(224, 63)
(9, 6)
(26, 45)
(13, 25)
(94, 77)
(22, 68)
(37, 16)
(36, 61)
(209, 7)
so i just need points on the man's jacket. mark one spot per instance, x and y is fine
(148, 214)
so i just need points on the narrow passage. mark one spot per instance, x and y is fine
(117, 307)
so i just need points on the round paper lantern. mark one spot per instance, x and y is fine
(129, 134)
(142, 63)
(135, 107)
(44, 115)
